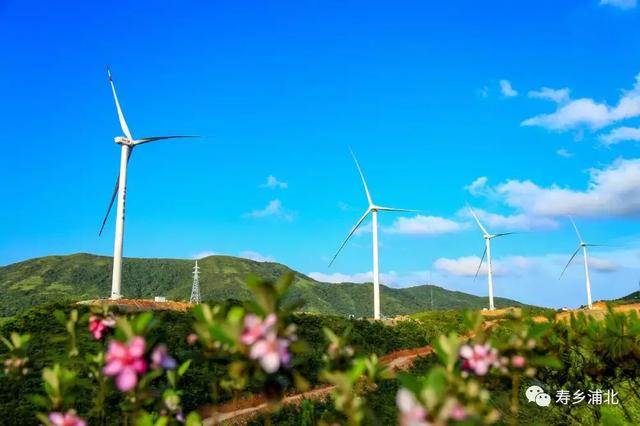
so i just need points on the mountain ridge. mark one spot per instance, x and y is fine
(88, 276)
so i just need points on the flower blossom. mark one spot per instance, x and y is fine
(255, 328)
(125, 361)
(271, 352)
(160, 358)
(458, 413)
(66, 419)
(192, 339)
(478, 358)
(98, 325)
(411, 412)
(518, 361)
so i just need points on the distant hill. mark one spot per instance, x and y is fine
(86, 276)
(632, 297)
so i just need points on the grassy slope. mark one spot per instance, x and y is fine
(630, 298)
(86, 276)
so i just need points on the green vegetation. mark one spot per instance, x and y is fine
(48, 345)
(86, 276)
(630, 298)
(477, 374)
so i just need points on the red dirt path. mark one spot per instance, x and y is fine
(241, 411)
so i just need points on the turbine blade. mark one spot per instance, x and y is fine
(364, 182)
(576, 228)
(159, 138)
(350, 234)
(477, 220)
(113, 198)
(393, 209)
(484, 253)
(567, 265)
(503, 234)
(123, 123)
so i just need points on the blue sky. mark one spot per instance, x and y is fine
(529, 112)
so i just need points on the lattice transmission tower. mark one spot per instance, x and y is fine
(195, 288)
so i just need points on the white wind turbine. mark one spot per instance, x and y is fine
(128, 143)
(373, 209)
(487, 252)
(582, 245)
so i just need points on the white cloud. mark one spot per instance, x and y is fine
(613, 191)
(202, 254)
(254, 255)
(520, 221)
(274, 208)
(602, 265)
(478, 186)
(621, 4)
(563, 152)
(391, 278)
(423, 225)
(337, 277)
(579, 112)
(467, 266)
(273, 182)
(621, 134)
(587, 112)
(506, 89)
(555, 95)
(344, 206)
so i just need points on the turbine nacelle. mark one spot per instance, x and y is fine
(121, 140)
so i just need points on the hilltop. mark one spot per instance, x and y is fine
(87, 276)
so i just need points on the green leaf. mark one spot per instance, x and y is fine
(193, 419)
(162, 421)
(447, 349)
(236, 314)
(60, 316)
(40, 401)
(184, 367)
(142, 321)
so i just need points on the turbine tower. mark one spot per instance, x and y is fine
(195, 288)
(487, 252)
(128, 143)
(582, 245)
(373, 209)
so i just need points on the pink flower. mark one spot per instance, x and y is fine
(271, 352)
(411, 412)
(160, 358)
(478, 358)
(458, 413)
(518, 361)
(98, 325)
(125, 362)
(255, 328)
(67, 419)
(192, 339)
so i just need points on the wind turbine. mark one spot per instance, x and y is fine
(487, 252)
(128, 143)
(373, 209)
(582, 245)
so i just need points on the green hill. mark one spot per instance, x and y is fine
(86, 276)
(630, 298)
